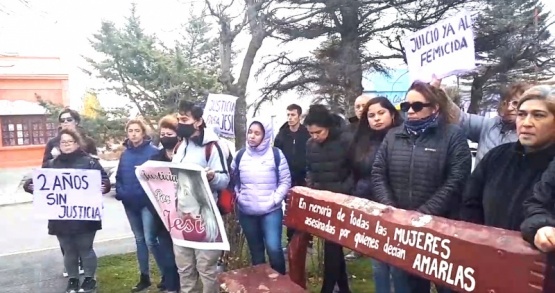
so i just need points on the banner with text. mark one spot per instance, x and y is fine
(220, 110)
(441, 250)
(442, 49)
(183, 199)
(68, 194)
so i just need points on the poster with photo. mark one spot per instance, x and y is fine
(183, 199)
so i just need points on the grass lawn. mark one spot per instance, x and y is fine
(118, 273)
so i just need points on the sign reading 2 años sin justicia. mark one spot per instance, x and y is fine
(68, 194)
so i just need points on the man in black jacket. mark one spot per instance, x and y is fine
(291, 140)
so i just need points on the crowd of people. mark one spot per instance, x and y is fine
(417, 159)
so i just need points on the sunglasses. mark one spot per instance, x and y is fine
(416, 106)
(63, 120)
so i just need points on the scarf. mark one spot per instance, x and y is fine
(417, 127)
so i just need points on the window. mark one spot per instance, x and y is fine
(26, 130)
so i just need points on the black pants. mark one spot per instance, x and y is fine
(335, 269)
(63, 254)
(418, 284)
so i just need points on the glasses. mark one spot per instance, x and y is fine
(416, 106)
(64, 120)
(513, 103)
(67, 142)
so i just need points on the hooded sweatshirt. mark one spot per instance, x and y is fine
(193, 151)
(259, 191)
(128, 188)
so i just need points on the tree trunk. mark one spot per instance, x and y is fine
(350, 56)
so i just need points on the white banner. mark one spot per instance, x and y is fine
(68, 194)
(220, 110)
(442, 49)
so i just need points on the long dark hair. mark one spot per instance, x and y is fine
(360, 145)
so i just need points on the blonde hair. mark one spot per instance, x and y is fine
(168, 121)
(544, 93)
(139, 122)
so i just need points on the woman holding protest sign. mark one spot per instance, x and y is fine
(76, 237)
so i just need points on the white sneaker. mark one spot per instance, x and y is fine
(65, 273)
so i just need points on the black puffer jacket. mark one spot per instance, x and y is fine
(426, 173)
(77, 160)
(327, 163)
(539, 210)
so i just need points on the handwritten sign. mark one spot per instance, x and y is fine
(220, 110)
(442, 49)
(463, 256)
(68, 194)
(183, 199)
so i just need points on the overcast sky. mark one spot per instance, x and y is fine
(62, 27)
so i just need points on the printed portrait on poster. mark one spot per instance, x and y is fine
(183, 199)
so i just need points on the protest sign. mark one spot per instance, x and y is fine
(220, 110)
(68, 194)
(442, 49)
(183, 199)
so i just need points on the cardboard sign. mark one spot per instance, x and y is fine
(68, 194)
(220, 110)
(442, 49)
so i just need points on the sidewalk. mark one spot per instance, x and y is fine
(11, 186)
(41, 271)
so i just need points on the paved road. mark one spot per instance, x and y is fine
(40, 271)
(30, 259)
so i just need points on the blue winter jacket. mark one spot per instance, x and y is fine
(128, 188)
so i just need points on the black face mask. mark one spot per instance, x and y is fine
(185, 130)
(169, 142)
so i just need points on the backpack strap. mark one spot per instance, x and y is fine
(208, 153)
(277, 159)
(237, 164)
(208, 150)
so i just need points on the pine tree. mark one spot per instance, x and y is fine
(512, 42)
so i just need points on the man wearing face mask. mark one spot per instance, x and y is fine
(199, 146)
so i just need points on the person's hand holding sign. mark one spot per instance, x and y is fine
(210, 174)
(545, 239)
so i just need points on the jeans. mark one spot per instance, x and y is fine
(263, 233)
(79, 246)
(169, 273)
(194, 263)
(383, 274)
(142, 225)
(415, 284)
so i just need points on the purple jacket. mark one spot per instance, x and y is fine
(259, 192)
